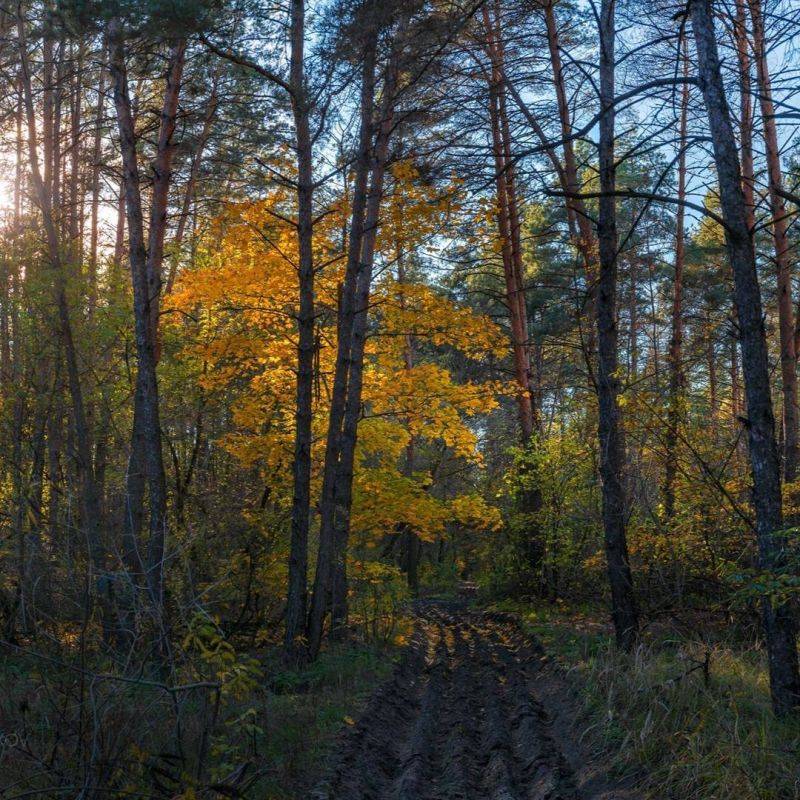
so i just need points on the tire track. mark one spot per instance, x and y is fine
(456, 721)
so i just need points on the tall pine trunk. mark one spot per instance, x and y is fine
(676, 378)
(780, 221)
(343, 494)
(578, 219)
(612, 451)
(515, 301)
(45, 195)
(97, 151)
(301, 499)
(745, 110)
(509, 233)
(191, 183)
(779, 626)
(146, 456)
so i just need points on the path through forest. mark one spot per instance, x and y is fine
(470, 712)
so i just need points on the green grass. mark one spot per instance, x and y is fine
(305, 710)
(653, 714)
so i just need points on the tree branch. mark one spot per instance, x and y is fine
(244, 61)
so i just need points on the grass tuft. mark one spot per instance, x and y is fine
(306, 709)
(688, 715)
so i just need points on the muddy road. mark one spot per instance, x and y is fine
(462, 718)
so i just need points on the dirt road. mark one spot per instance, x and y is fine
(459, 720)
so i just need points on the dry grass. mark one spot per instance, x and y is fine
(658, 714)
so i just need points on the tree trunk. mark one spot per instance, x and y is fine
(188, 192)
(145, 264)
(76, 96)
(119, 236)
(411, 543)
(579, 222)
(512, 204)
(325, 553)
(508, 222)
(343, 495)
(55, 446)
(676, 378)
(97, 151)
(18, 509)
(162, 169)
(711, 363)
(18, 154)
(736, 393)
(301, 499)
(514, 295)
(633, 319)
(780, 219)
(745, 111)
(778, 623)
(612, 455)
(90, 505)
(146, 373)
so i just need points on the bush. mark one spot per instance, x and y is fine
(378, 595)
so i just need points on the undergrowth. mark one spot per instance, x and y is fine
(687, 715)
(265, 735)
(307, 707)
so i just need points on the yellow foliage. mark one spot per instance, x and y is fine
(241, 303)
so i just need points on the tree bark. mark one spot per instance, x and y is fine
(711, 363)
(612, 455)
(301, 499)
(736, 395)
(411, 545)
(676, 377)
(76, 97)
(780, 220)
(188, 192)
(509, 231)
(745, 111)
(90, 505)
(162, 179)
(97, 151)
(325, 554)
(512, 201)
(779, 626)
(145, 260)
(343, 493)
(748, 175)
(515, 302)
(116, 278)
(578, 220)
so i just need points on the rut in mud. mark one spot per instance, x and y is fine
(457, 720)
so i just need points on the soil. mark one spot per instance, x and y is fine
(472, 711)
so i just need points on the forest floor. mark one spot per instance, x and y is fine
(472, 709)
(687, 714)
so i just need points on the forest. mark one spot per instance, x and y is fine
(399, 399)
